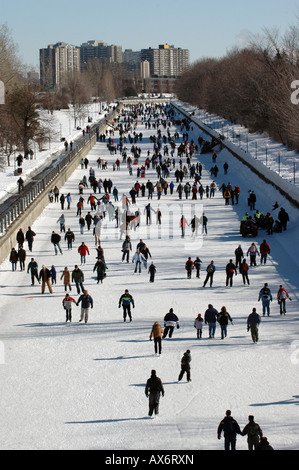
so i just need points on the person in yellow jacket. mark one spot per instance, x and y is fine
(157, 332)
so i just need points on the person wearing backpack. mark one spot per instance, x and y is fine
(266, 297)
(253, 432)
(230, 428)
(210, 274)
(282, 296)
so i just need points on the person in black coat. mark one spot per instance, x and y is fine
(170, 321)
(210, 319)
(230, 271)
(153, 389)
(283, 218)
(230, 428)
(30, 234)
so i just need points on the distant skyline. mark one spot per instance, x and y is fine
(206, 28)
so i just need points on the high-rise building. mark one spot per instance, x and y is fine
(96, 49)
(166, 61)
(56, 61)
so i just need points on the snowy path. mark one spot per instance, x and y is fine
(81, 386)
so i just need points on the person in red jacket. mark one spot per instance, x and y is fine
(189, 266)
(83, 251)
(264, 251)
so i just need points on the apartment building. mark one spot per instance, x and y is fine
(96, 49)
(166, 60)
(56, 61)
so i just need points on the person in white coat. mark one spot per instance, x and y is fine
(97, 232)
(138, 259)
(198, 322)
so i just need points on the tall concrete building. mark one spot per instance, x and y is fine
(56, 61)
(166, 61)
(96, 49)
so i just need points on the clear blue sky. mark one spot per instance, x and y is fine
(207, 28)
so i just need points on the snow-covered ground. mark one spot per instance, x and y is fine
(81, 386)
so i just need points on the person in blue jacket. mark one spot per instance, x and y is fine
(86, 303)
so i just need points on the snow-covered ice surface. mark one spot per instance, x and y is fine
(81, 386)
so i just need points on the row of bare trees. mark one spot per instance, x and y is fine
(252, 86)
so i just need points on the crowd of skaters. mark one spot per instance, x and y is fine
(104, 202)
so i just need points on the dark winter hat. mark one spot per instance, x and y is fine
(153, 372)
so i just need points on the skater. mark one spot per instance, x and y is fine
(53, 274)
(253, 432)
(210, 274)
(253, 251)
(55, 240)
(197, 266)
(67, 305)
(230, 428)
(66, 277)
(13, 259)
(253, 322)
(83, 250)
(86, 302)
(204, 222)
(189, 266)
(230, 271)
(100, 267)
(282, 296)
(185, 366)
(154, 388)
(244, 268)
(264, 251)
(198, 322)
(126, 248)
(223, 318)
(138, 258)
(33, 268)
(29, 236)
(170, 321)
(78, 279)
(69, 237)
(266, 297)
(210, 319)
(125, 301)
(152, 272)
(44, 276)
(156, 333)
(183, 224)
(239, 255)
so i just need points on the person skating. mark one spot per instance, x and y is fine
(265, 296)
(22, 257)
(86, 303)
(253, 251)
(152, 272)
(69, 237)
(230, 271)
(78, 279)
(13, 258)
(100, 267)
(83, 250)
(55, 240)
(264, 251)
(253, 432)
(126, 248)
(282, 296)
(189, 266)
(244, 268)
(156, 333)
(210, 274)
(223, 318)
(138, 259)
(238, 255)
(170, 321)
(197, 266)
(66, 277)
(198, 322)
(211, 319)
(230, 428)
(33, 268)
(126, 300)
(253, 322)
(67, 305)
(45, 276)
(185, 366)
(29, 236)
(153, 389)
